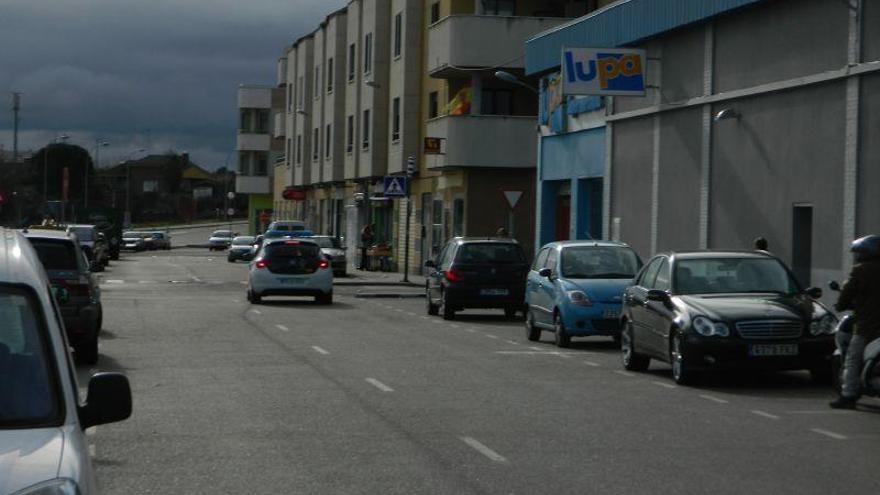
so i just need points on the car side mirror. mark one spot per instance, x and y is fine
(658, 295)
(814, 292)
(833, 285)
(430, 264)
(108, 400)
(545, 272)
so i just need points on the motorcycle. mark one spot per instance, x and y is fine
(870, 373)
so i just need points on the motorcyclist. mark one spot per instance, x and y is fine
(860, 293)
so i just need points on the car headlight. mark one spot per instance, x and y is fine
(708, 328)
(578, 298)
(61, 486)
(823, 326)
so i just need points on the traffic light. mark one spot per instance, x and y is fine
(411, 166)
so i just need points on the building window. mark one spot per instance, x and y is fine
(368, 53)
(300, 90)
(352, 64)
(458, 217)
(288, 151)
(366, 130)
(317, 81)
(316, 144)
(499, 7)
(244, 123)
(433, 104)
(349, 136)
(398, 33)
(299, 148)
(244, 166)
(327, 142)
(262, 121)
(330, 75)
(435, 12)
(496, 102)
(261, 167)
(395, 119)
(289, 96)
(151, 186)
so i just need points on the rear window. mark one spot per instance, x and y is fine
(221, 233)
(84, 234)
(490, 253)
(56, 255)
(242, 241)
(292, 251)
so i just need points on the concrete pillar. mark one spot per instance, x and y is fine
(851, 144)
(706, 144)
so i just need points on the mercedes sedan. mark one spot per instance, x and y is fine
(710, 310)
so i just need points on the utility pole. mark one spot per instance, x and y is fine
(410, 172)
(16, 106)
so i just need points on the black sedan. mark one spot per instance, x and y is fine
(712, 310)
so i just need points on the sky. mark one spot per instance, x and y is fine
(157, 74)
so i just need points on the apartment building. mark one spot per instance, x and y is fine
(258, 147)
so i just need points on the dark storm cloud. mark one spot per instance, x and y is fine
(160, 74)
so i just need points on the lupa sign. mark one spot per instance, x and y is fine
(603, 71)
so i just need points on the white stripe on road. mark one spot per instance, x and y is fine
(486, 451)
(257, 311)
(320, 350)
(624, 373)
(831, 434)
(381, 386)
(489, 335)
(282, 328)
(536, 348)
(424, 317)
(714, 399)
(512, 342)
(398, 309)
(764, 414)
(453, 325)
(114, 281)
(664, 384)
(591, 363)
(236, 301)
(471, 330)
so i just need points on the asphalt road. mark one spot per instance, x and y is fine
(372, 396)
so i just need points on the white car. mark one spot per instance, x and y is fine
(290, 267)
(43, 446)
(220, 240)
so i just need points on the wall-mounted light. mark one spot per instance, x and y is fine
(725, 114)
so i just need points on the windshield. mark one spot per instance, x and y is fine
(732, 275)
(221, 233)
(84, 234)
(276, 251)
(599, 262)
(490, 253)
(243, 241)
(28, 393)
(327, 242)
(56, 255)
(286, 227)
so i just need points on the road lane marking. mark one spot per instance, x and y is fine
(320, 350)
(486, 451)
(624, 373)
(424, 317)
(536, 348)
(764, 414)
(256, 311)
(471, 330)
(381, 386)
(591, 363)
(453, 325)
(282, 328)
(490, 336)
(664, 384)
(512, 342)
(411, 314)
(236, 301)
(397, 309)
(830, 434)
(243, 282)
(714, 399)
(114, 281)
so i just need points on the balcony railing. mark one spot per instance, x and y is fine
(484, 141)
(253, 142)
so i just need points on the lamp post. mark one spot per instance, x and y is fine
(62, 137)
(98, 145)
(127, 219)
(507, 76)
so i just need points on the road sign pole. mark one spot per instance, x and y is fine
(410, 171)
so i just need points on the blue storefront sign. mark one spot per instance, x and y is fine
(603, 71)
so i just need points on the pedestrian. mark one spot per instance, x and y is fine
(501, 232)
(861, 293)
(761, 244)
(366, 242)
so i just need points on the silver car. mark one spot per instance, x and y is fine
(333, 250)
(42, 419)
(242, 248)
(220, 240)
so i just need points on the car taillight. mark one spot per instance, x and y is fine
(324, 264)
(454, 275)
(261, 264)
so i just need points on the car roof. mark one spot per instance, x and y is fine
(587, 242)
(47, 234)
(19, 263)
(709, 253)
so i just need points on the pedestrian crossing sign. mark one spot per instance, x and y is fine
(395, 186)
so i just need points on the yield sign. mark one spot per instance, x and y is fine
(512, 197)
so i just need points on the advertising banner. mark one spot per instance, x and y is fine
(603, 71)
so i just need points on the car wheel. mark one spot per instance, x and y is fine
(560, 337)
(86, 352)
(446, 311)
(682, 371)
(253, 297)
(433, 309)
(533, 333)
(632, 360)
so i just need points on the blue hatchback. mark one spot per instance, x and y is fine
(575, 289)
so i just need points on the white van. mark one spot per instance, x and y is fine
(42, 420)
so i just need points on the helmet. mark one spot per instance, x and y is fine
(866, 248)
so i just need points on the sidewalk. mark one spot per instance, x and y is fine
(388, 279)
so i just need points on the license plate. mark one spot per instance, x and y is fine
(611, 314)
(292, 281)
(493, 292)
(760, 350)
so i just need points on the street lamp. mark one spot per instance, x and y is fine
(507, 76)
(98, 145)
(62, 137)
(127, 162)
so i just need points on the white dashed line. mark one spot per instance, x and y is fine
(624, 373)
(512, 342)
(424, 317)
(236, 301)
(282, 328)
(591, 363)
(256, 311)
(453, 325)
(830, 434)
(664, 384)
(381, 386)
(490, 336)
(714, 399)
(398, 310)
(320, 350)
(114, 281)
(764, 414)
(471, 330)
(536, 348)
(486, 451)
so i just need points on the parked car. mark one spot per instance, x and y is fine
(286, 225)
(91, 244)
(43, 422)
(242, 248)
(220, 240)
(157, 239)
(133, 241)
(290, 267)
(710, 310)
(70, 273)
(575, 289)
(333, 250)
(476, 273)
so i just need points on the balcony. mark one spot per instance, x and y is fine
(485, 141)
(253, 142)
(481, 41)
(253, 184)
(280, 128)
